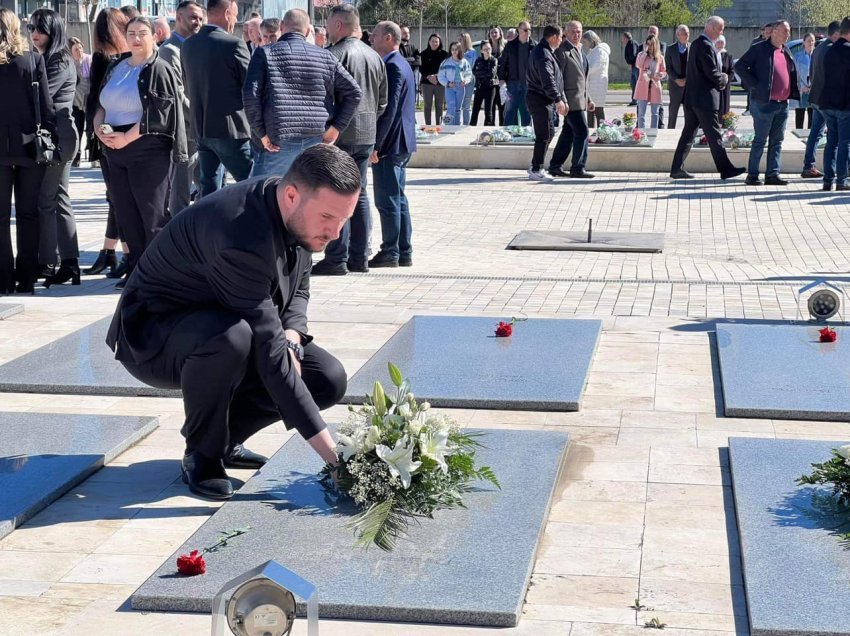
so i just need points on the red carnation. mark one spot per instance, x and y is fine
(191, 564)
(828, 335)
(504, 329)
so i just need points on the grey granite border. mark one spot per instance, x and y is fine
(8, 310)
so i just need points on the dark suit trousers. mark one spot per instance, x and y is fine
(573, 138)
(676, 96)
(709, 122)
(209, 355)
(541, 110)
(25, 183)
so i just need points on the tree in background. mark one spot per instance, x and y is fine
(810, 13)
(707, 8)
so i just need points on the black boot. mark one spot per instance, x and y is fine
(121, 269)
(105, 258)
(69, 270)
(206, 476)
(45, 271)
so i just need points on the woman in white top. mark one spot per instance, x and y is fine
(597, 54)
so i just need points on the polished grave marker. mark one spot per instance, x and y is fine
(80, 362)
(458, 362)
(782, 371)
(796, 570)
(649, 242)
(44, 455)
(466, 566)
(8, 310)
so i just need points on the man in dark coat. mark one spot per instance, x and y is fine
(545, 96)
(702, 103)
(217, 307)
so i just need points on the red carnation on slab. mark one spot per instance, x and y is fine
(504, 329)
(191, 564)
(828, 334)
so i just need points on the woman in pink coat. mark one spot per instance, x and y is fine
(651, 72)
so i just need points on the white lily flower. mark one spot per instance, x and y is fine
(399, 459)
(414, 427)
(424, 406)
(373, 436)
(348, 446)
(844, 451)
(404, 410)
(434, 445)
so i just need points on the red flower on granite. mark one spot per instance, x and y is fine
(191, 564)
(828, 334)
(504, 329)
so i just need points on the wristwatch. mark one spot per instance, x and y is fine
(296, 347)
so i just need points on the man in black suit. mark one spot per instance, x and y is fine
(214, 67)
(702, 103)
(676, 61)
(217, 307)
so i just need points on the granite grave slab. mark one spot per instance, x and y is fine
(807, 590)
(458, 362)
(43, 456)
(80, 362)
(781, 371)
(8, 310)
(649, 242)
(467, 566)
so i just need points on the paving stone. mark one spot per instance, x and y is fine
(80, 362)
(796, 570)
(42, 456)
(8, 310)
(782, 371)
(457, 362)
(465, 566)
(651, 242)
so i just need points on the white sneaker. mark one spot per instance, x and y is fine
(539, 175)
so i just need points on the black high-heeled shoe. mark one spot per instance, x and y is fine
(45, 271)
(69, 270)
(121, 269)
(105, 258)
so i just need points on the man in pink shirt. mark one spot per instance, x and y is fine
(768, 73)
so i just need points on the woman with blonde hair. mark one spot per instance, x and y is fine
(497, 45)
(20, 73)
(651, 72)
(470, 55)
(598, 55)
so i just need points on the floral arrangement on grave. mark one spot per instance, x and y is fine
(732, 139)
(638, 136)
(488, 137)
(401, 462)
(193, 564)
(431, 130)
(730, 120)
(608, 133)
(835, 471)
(827, 334)
(629, 120)
(520, 131)
(506, 329)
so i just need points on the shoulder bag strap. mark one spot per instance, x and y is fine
(35, 92)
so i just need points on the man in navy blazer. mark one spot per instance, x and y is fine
(217, 307)
(395, 143)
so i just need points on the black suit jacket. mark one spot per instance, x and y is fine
(214, 67)
(230, 250)
(705, 79)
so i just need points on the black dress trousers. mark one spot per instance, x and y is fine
(209, 355)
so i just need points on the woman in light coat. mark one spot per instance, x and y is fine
(456, 75)
(597, 56)
(803, 61)
(651, 72)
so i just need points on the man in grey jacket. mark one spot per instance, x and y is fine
(296, 95)
(350, 252)
(189, 20)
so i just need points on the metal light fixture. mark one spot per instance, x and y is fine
(263, 603)
(824, 302)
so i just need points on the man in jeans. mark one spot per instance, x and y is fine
(630, 52)
(350, 252)
(513, 69)
(545, 95)
(835, 107)
(767, 70)
(816, 79)
(296, 95)
(395, 142)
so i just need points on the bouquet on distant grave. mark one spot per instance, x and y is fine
(733, 140)
(730, 120)
(638, 136)
(607, 133)
(400, 461)
(520, 131)
(629, 120)
(835, 471)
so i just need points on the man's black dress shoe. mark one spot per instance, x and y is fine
(205, 476)
(405, 262)
(557, 172)
(581, 174)
(842, 187)
(775, 181)
(827, 187)
(240, 457)
(734, 173)
(381, 259)
(326, 268)
(681, 174)
(361, 267)
(753, 181)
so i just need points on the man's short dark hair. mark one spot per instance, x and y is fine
(189, 3)
(551, 30)
(833, 28)
(218, 6)
(324, 166)
(347, 14)
(627, 35)
(270, 24)
(844, 29)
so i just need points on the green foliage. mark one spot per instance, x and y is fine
(706, 8)
(814, 12)
(836, 472)
(381, 524)
(654, 623)
(670, 13)
(587, 12)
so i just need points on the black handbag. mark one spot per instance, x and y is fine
(46, 152)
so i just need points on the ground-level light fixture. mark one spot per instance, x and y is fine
(824, 302)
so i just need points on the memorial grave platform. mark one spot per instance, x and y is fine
(7, 310)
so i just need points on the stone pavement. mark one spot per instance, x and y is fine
(642, 525)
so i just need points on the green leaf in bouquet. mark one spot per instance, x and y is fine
(486, 473)
(395, 374)
(381, 524)
(379, 400)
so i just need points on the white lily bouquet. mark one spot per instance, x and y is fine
(400, 461)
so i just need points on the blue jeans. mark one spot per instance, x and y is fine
(516, 110)
(454, 103)
(641, 114)
(633, 78)
(769, 122)
(389, 178)
(276, 164)
(468, 92)
(815, 135)
(234, 154)
(835, 155)
(353, 242)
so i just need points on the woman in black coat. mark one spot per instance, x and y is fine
(57, 228)
(19, 173)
